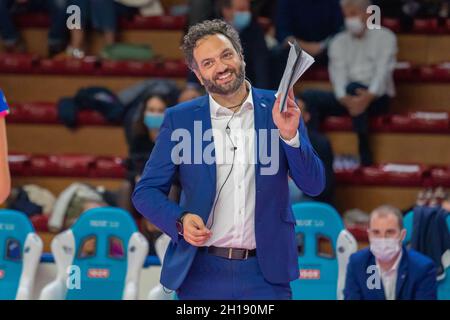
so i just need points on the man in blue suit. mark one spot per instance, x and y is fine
(387, 270)
(232, 234)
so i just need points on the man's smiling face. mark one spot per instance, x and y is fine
(219, 67)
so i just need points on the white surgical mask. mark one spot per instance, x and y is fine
(385, 249)
(354, 25)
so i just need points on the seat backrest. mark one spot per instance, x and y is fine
(444, 284)
(408, 225)
(17, 239)
(100, 238)
(318, 226)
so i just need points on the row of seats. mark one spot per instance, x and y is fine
(414, 122)
(33, 64)
(392, 174)
(404, 72)
(167, 22)
(66, 166)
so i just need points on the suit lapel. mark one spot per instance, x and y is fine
(203, 116)
(402, 273)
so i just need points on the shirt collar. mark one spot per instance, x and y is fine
(218, 111)
(394, 266)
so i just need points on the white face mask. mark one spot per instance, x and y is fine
(385, 249)
(354, 25)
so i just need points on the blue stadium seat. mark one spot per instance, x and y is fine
(322, 275)
(20, 252)
(100, 257)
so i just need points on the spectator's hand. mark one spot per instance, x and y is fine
(194, 230)
(288, 121)
(361, 102)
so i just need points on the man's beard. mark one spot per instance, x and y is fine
(229, 88)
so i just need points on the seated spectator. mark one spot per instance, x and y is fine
(361, 68)
(387, 270)
(57, 33)
(311, 22)
(103, 15)
(238, 13)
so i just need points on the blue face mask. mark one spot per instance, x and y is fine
(153, 120)
(241, 20)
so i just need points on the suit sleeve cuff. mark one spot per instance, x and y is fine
(294, 142)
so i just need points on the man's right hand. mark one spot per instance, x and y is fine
(194, 230)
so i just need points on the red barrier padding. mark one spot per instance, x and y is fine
(347, 176)
(344, 123)
(392, 23)
(19, 164)
(405, 71)
(17, 62)
(75, 165)
(44, 165)
(34, 112)
(440, 176)
(68, 66)
(427, 26)
(442, 72)
(316, 74)
(393, 174)
(158, 23)
(32, 20)
(420, 121)
(128, 68)
(109, 167)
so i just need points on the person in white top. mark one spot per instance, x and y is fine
(361, 65)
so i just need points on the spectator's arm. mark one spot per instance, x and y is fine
(385, 65)
(337, 68)
(427, 287)
(352, 290)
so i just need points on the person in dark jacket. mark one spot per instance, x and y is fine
(387, 270)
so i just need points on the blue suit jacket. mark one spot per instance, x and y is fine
(274, 220)
(416, 279)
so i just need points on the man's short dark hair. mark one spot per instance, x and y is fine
(204, 29)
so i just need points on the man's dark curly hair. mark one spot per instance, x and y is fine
(208, 28)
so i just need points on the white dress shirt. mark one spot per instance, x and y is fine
(234, 214)
(369, 60)
(389, 278)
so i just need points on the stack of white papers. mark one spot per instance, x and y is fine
(298, 62)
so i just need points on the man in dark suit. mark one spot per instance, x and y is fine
(232, 234)
(387, 270)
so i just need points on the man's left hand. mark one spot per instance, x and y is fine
(287, 121)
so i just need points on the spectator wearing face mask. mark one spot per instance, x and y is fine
(361, 68)
(387, 270)
(238, 13)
